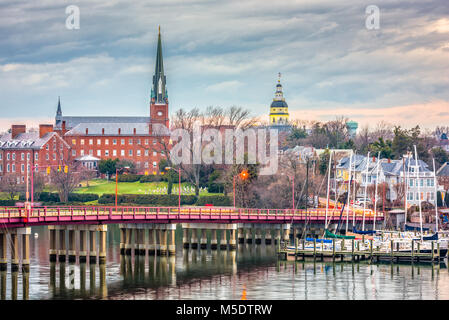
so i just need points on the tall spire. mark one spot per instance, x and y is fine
(159, 90)
(58, 118)
(59, 111)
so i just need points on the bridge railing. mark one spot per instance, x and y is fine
(104, 212)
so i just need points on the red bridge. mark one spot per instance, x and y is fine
(15, 217)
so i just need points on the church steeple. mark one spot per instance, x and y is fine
(159, 92)
(58, 118)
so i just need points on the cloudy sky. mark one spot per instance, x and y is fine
(226, 53)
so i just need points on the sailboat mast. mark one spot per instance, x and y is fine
(366, 189)
(375, 191)
(407, 183)
(328, 187)
(436, 195)
(419, 190)
(349, 192)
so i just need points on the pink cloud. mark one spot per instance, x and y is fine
(426, 115)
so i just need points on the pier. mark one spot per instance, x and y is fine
(357, 253)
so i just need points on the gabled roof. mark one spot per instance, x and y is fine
(25, 141)
(444, 170)
(72, 122)
(112, 129)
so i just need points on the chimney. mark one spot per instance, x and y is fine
(44, 129)
(87, 131)
(119, 131)
(63, 127)
(102, 131)
(17, 129)
(134, 131)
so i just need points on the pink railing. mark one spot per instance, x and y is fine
(54, 215)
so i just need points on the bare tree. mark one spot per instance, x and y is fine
(66, 182)
(10, 184)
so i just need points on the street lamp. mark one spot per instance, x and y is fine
(116, 184)
(179, 186)
(243, 175)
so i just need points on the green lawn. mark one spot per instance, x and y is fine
(100, 187)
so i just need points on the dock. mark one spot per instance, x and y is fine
(299, 252)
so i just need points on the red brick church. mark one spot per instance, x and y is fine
(139, 139)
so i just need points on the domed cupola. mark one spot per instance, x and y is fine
(279, 108)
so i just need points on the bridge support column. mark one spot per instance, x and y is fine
(151, 242)
(203, 239)
(249, 236)
(223, 244)
(72, 252)
(213, 240)
(25, 253)
(142, 242)
(122, 240)
(194, 242)
(83, 246)
(241, 236)
(92, 249)
(158, 241)
(52, 250)
(232, 243)
(258, 236)
(3, 260)
(286, 228)
(268, 236)
(277, 238)
(136, 241)
(185, 238)
(128, 243)
(14, 252)
(62, 249)
(171, 242)
(163, 241)
(102, 249)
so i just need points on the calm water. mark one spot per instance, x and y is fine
(252, 272)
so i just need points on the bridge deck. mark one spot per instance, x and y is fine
(19, 217)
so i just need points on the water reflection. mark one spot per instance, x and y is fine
(250, 272)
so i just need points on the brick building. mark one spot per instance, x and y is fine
(143, 140)
(20, 151)
(443, 176)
